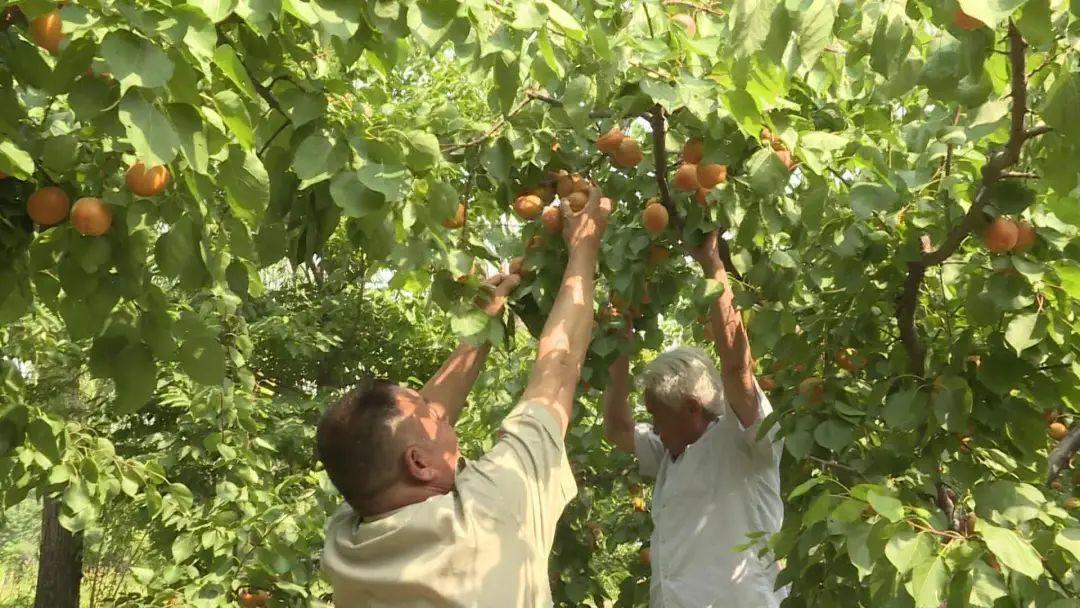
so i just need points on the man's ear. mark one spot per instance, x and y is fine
(417, 464)
(694, 406)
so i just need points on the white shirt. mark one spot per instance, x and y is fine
(484, 545)
(723, 487)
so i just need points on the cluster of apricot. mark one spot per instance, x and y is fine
(91, 216)
(1004, 234)
(625, 151)
(696, 176)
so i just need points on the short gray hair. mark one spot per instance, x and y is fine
(684, 373)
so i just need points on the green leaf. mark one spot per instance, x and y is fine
(225, 57)
(928, 581)
(424, 150)
(987, 585)
(354, 198)
(236, 117)
(183, 547)
(203, 358)
(1011, 550)
(135, 62)
(135, 376)
(77, 498)
(389, 180)
(246, 184)
(1021, 330)
(905, 409)
(885, 504)
(149, 130)
(1069, 273)
(192, 137)
(14, 160)
(216, 10)
(868, 198)
(766, 173)
(317, 158)
(1059, 110)
(564, 20)
(1069, 539)
(1035, 23)
(814, 25)
(990, 12)
(906, 549)
(751, 22)
(834, 435)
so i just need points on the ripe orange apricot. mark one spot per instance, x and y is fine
(609, 142)
(46, 31)
(687, 22)
(655, 218)
(517, 265)
(766, 382)
(581, 184)
(686, 178)
(965, 21)
(1001, 235)
(3, 175)
(1058, 431)
(711, 174)
(658, 254)
(564, 184)
(1025, 235)
(645, 555)
(458, 220)
(551, 218)
(628, 154)
(700, 197)
(91, 216)
(528, 207)
(48, 206)
(850, 360)
(147, 182)
(812, 388)
(577, 201)
(692, 151)
(1072, 502)
(786, 158)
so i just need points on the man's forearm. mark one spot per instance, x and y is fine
(449, 387)
(565, 337)
(618, 419)
(733, 347)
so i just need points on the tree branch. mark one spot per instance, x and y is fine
(1059, 457)
(659, 138)
(695, 6)
(992, 172)
(1019, 175)
(263, 91)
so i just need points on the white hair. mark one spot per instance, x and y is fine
(682, 374)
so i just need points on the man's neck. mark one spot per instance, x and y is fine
(399, 496)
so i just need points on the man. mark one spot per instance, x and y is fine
(417, 529)
(716, 481)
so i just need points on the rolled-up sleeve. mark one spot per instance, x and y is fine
(649, 450)
(526, 475)
(760, 446)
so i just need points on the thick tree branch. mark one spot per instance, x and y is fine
(1059, 457)
(992, 172)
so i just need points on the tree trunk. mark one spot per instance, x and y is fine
(59, 561)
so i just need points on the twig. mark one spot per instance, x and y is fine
(942, 533)
(263, 91)
(659, 137)
(269, 141)
(695, 6)
(648, 19)
(1019, 175)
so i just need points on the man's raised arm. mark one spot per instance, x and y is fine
(729, 335)
(565, 337)
(448, 388)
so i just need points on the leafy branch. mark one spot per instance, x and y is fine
(992, 172)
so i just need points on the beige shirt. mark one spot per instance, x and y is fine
(483, 545)
(724, 487)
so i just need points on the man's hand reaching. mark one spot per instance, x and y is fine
(498, 287)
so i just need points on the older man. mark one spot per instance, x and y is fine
(417, 529)
(716, 480)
